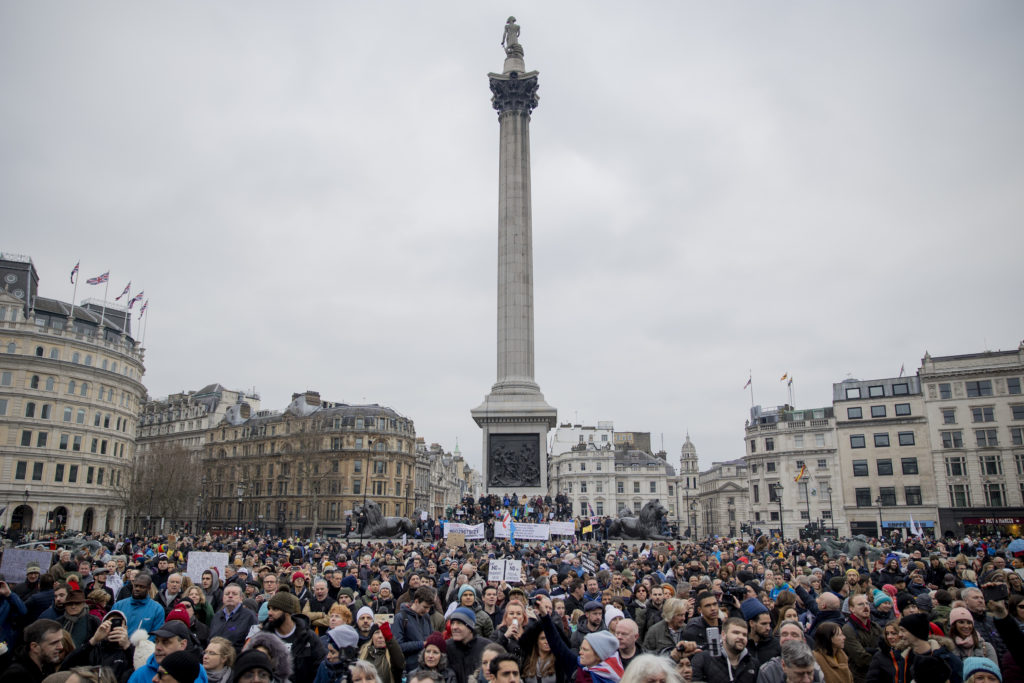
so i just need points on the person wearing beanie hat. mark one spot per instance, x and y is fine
(464, 649)
(364, 621)
(611, 614)
(966, 641)
(286, 622)
(434, 657)
(916, 625)
(882, 608)
(982, 669)
(761, 642)
(602, 645)
(252, 660)
(182, 667)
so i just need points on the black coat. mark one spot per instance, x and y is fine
(235, 629)
(306, 649)
(464, 658)
(105, 654)
(708, 668)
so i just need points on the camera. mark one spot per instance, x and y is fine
(738, 592)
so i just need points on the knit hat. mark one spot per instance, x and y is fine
(362, 611)
(974, 664)
(852, 571)
(466, 588)
(181, 665)
(603, 643)
(752, 608)
(343, 636)
(612, 612)
(924, 601)
(960, 614)
(249, 661)
(286, 602)
(437, 640)
(930, 668)
(466, 616)
(32, 567)
(903, 600)
(916, 625)
(179, 613)
(592, 605)
(881, 597)
(298, 575)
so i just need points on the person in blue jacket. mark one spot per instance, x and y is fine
(172, 638)
(11, 608)
(141, 611)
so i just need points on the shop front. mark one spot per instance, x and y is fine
(981, 522)
(903, 528)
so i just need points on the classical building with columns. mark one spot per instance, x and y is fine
(722, 499)
(70, 392)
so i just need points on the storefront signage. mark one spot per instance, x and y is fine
(992, 520)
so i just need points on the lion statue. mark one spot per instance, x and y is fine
(379, 526)
(854, 547)
(646, 526)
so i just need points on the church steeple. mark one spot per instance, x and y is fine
(688, 467)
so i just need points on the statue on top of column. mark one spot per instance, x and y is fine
(510, 39)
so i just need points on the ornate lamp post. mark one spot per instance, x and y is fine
(778, 498)
(831, 518)
(878, 502)
(240, 490)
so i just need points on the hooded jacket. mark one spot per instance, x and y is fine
(306, 649)
(145, 614)
(411, 629)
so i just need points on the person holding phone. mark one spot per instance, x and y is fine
(109, 646)
(984, 624)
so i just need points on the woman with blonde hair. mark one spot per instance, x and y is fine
(384, 652)
(218, 658)
(203, 609)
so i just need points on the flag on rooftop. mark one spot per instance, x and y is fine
(74, 272)
(125, 292)
(784, 377)
(99, 279)
(137, 297)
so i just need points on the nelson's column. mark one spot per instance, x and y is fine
(514, 417)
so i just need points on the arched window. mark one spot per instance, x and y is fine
(113, 368)
(34, 383)
(30, 409)
(72, 385)
(67, 413)
(84, 391)
(11, 347)
(88, 359)
(75, 357)
(39, 351)
(50, 383)
(55, 354)
(80, 418)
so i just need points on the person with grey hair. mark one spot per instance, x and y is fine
(984, 624)
(797, 662)
(667, 633)
(649, 667)
(772, 671)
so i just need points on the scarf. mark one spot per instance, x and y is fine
(608, 671)
(865, 625)
(965, 643)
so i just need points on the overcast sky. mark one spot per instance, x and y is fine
(307, 193)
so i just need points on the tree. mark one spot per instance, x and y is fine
(163, 483)
(308, 447)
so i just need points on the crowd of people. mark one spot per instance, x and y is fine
(422, 611)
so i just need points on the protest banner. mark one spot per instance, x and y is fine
(199, 562)
(472, 532)
(457, 539)
(16, 559)
(524, 532)
(562, 528)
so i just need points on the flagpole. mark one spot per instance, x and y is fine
(144, 325)
(792, 393)
(74, 294)
(103, 310)
(750, 381)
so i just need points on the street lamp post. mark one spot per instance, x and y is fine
(240, 490)
(149, 517)
(831, 518)
(778, 498)
(878, 502)
(693, 516)
(807, 501)
(26, 510)
(687, 490)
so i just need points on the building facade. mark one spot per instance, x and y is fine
(176, 428)
(451, 480)
(792, 465)
(687, 489)
(306, 468)
(975, 412)
(70, 392)
(722, 499)
(601, 479)
(886, 476)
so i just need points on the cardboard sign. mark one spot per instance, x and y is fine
(496, 570)
(457, 539)
(16, 559)
(383, 618)
(199, 562)
(473, 532)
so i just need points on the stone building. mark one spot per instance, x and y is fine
(176, 428)
(451, 479)
(975, 412)
(70, 392)
(600, 479)
(885, 466)
(781, 443)
(307, 466)
(722, 499)
(687, 488)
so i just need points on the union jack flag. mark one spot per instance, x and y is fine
(74, 272)
(99, 279)
(143, 309)
(608, 671)
(137, 297)
(127, 287)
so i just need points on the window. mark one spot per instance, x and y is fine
(945, 390)
(769, 466)
(620, 487)
(5, 379)
(583, 487)
(857, 441)
(863, 497)
(853, 392)
(769, 444)
(909, 465)
(888, 495)
(906, 438)
(860, 468)
(19, 469)
(991, 465)
(773, 493)
(64, 441)
(798, 441)
(44, 411)
(757, 489)
(1013, 385)
(987, 438)
(876, 391)
(654, 487)
(902, 409)
(600, 487)
(753, 446)
(1016, 436)
(884, 467)
(901, 389)
(30, 409)
(819, 440)
(636, 487)
(37, 471)
(983, 414)
(979, 388)
(583, 467)
(357, 487)
(800, 464)
(877, 411)
(26, 438)
(95, 445)
(822, 463)
(913, 495)
(76, 443)
(359, 442)
(882, 440)
(952, 439)
(58, 473)
(775, 515)
(41, 439)
(854, 413)
(948, 416)
(1019, 459)
(956, 466)
(599, 509)
(73, 474)
(380, 467)
(49, 383)
(995, 495)
(1018, 412)
(3, 406)
(804, 514)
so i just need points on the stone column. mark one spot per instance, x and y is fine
(514, 417)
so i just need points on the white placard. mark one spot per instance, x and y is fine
(496, 570)
(513, 571)
(16, 559)
(524, 532)
(562, 528)
(423, 515)
(199, 562)
(472, 532)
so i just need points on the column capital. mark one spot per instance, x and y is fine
(514, 91)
